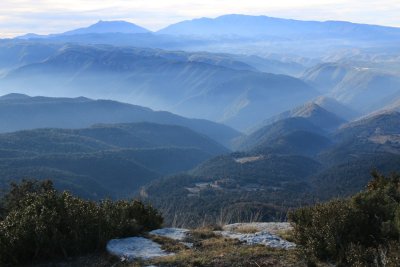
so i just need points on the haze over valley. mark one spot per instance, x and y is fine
(270, 103)
(218, 120)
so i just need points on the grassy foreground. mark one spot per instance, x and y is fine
(213, 250)
(209, 249)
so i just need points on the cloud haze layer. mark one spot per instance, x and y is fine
(46, 16)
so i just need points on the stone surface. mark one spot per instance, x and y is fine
(135, 248)
(173, 233)
(264, 234)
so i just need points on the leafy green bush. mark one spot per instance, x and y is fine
(361, 231)
(41, 223)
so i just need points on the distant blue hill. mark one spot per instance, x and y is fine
(109, 27)
(244, 25)
(101, 27)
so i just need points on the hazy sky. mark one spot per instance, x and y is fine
(51, 16)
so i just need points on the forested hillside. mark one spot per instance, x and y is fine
(104, 160)
(290, 163)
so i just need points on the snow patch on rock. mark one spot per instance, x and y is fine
(172, 233)
(265, 235)
(178, 234)
(270, 227)
(135, 248)
(260, 238)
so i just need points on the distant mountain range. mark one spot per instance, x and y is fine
(100, 27)
(20, 53)
(22, 112)
(249, 26)
(240, 34)
(192, 85)
(109, 27)
(363, 89)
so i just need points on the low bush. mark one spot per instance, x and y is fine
(360, 231)
(41, 223)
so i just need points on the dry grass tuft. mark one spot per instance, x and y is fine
(286, 234)
(247, 229)
(220, 252)
(200, 234)
(168, 244)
